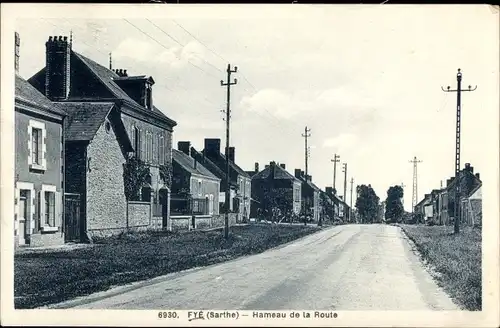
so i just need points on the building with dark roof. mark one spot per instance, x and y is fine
(275, 188)
(195, 190)
(111, 117)
(311, 206)
(239, 181)
(39, 166)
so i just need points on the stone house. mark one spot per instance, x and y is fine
(195, 190)
(39, 165)
(472, 207)
(336, 203)
(239, 181)
(274, 187)
(111, 120)
(310, 196)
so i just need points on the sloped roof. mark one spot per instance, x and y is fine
(310, 184)
(232, 164)
(29, 94)
(279, 173)
(107, 76)
(208, 164)
(187, 163)
(84, 118)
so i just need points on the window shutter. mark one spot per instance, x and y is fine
(41, 209)
(30, 159)
(58, 210)
(155, 153)
(16, 211)
(141, 145)
(43, 148)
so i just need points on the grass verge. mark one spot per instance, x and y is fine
(43, 278)
(455, 258)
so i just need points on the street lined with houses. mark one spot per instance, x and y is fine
(127, 195)
(329, 270)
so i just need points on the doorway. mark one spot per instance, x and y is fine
(23, 214)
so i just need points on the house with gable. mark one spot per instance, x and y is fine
(112, 122)
(275, 188)
(39, 165)
(239, 181)
(311, 206)
(195, 190)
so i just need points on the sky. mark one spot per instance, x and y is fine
(365, 79)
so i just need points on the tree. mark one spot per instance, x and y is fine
(367, 203)
(393, 205)
(135, 175)
(275, 203)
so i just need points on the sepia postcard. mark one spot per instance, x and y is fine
(250, 165)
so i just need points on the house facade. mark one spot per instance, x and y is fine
(275, 188)
(111, 123)
(311, 206)
(335, 203)
(195, 190)
(240, 182)
(39, 166)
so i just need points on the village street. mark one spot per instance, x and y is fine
(349, 267)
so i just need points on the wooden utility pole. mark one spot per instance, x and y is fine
(306, 135)
(344, 169)
(457, 147)
(335, 160)
(350, 209)
(228, 84)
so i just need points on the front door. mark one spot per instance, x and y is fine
(163, 198)
(22, 220)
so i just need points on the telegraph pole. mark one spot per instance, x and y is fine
(344, 169)
(350, 209)
(457, 146)
(414, 201)
(306, 135)
(335, 160)
(228, 117)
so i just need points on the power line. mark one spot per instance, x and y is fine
(202, 43)
(182, 45)
(162, 45)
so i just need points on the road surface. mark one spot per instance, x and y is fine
(350, 267)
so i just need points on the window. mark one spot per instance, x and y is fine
(150, 147)
(50, 208)
(161, 150)
(36, 137)
(155, 147)
(137, 141)
(149, 97)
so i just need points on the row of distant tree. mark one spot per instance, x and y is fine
(371, 210)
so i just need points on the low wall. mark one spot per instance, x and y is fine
(139, 214)
(218, 220)
(185, 222)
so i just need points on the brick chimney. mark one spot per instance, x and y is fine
(121, 72)
(298, 173)
(57, 68)
(329, 190)
(309, 177)
(283, 166)
(17, 40)
(469, 168)
(256, 167)
(478, 176)
(184, 146)
(231, 154)
(212, 148)
(272, 169)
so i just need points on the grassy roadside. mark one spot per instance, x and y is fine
(44, 278)
(456, 259)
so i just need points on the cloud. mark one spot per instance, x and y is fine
(342, 141)
(175, 57)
